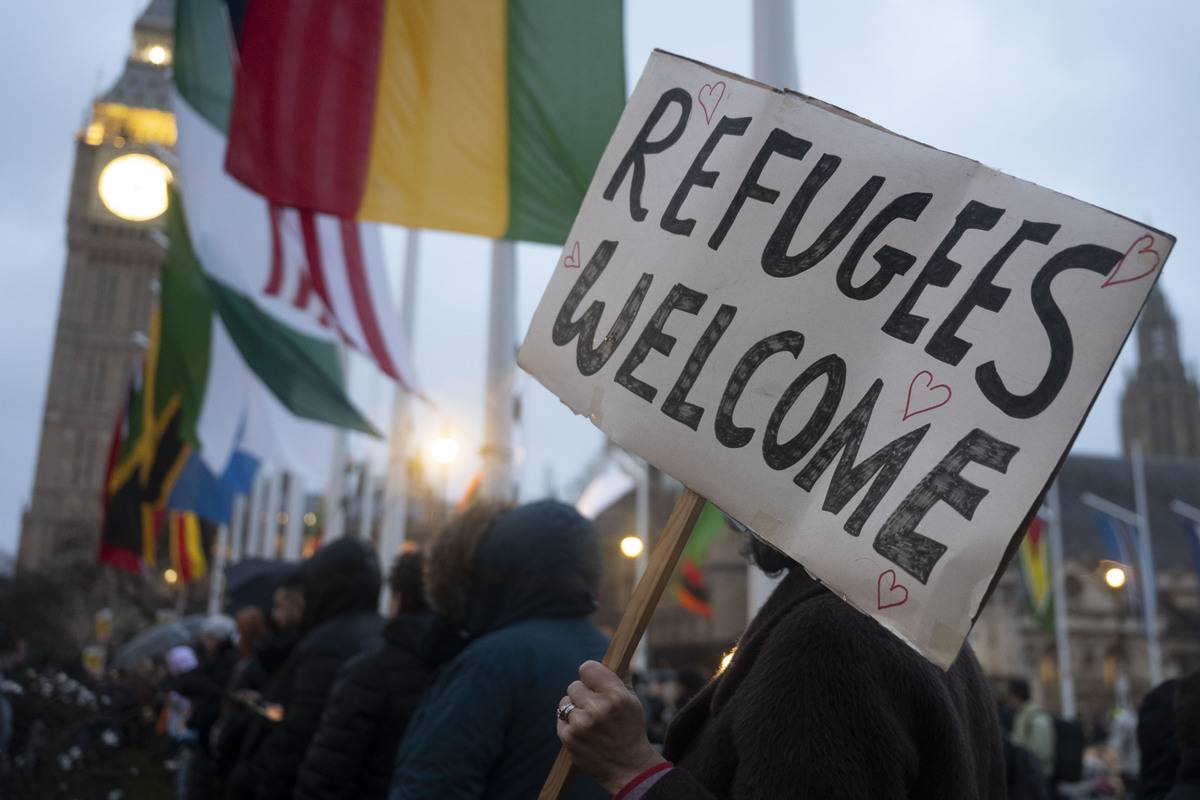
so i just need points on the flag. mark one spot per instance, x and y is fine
(189, 542)
(1193, 534)
(1120, 541)
(693, 590)
(309, 273)
(209, 495)
(121, 539)
(478, 116)
(470, 494)
(610, 485)
(1036, 572)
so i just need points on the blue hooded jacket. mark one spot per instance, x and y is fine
(486, 729)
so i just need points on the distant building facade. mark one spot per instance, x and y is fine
(1161, 404)
(107, 294)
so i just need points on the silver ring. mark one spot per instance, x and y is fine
(564, 711)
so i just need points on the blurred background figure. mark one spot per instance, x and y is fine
(1187, 732)
(354, 751)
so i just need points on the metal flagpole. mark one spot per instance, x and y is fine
(501, 371)
(641, 656)
(1066, 680)
(1149, 579)
(254, 525)
(216, 578)
(366, 505)
(237, 528)
(775, 64)
(293, 528)
(395, 493)
(267, 544)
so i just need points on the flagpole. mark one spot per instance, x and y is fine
(293, 530)
(775, 64)
(269, 544)
(216, 578)
(252, 546)
(1066, 680)
(501, 372)
(395, 492)
(237, 528)
(1149, 582)
(366, 505)
(641, 656)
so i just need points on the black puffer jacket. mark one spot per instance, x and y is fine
(353, 753)
(341, 589)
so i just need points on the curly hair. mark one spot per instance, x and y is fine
(451, 554)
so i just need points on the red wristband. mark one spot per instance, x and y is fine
(645, 774)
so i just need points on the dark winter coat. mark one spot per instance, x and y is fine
(354, 751)
(341, 589)
(1157, 748)
(486, 729)
(1187, 780)
(821, 702)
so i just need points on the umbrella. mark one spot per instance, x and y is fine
(150, 643)
(194, 624)
(253, 582)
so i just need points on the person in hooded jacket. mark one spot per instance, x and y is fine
(341, 585)
(819, 701)
(353, 753)
(512, 589)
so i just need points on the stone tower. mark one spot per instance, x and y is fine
(117, 197)
(1161, 403)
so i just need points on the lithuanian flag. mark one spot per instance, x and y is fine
(1035, 573)
(479, 116)
(188, 545)
(692, 590)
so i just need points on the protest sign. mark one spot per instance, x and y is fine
(871, 352)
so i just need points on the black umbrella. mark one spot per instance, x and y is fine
(253, 582)
(151, 643)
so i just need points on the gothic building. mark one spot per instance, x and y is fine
(1160, 406)
(117, 197)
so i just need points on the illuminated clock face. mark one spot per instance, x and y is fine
(134, 186)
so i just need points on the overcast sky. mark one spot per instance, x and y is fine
(1095, 99)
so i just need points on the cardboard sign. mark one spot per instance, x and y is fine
(871, 352)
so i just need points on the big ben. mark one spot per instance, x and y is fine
(117, 199)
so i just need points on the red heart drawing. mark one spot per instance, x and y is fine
(571, 259)
(931, 388)
(710, 96)
(1113, 280)
(895, 590)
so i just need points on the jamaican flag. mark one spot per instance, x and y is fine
(692, 589)
(157, 427)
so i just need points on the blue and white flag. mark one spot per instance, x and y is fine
(1120, 540)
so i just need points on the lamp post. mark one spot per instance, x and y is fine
(443, 451)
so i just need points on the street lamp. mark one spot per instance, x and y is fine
(443, 449)
(1114, 577)
(632, 546)
(171, 576)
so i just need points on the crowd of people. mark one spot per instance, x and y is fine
(487, 662)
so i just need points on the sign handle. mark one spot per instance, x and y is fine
(637, 614)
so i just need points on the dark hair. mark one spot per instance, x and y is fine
(406, 582)
(1187, 712)
(1019, 688)
(766, 557)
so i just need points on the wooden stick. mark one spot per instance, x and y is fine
(641, 606)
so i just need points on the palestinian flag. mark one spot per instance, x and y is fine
(189, 541)
(1035, 573)
(692, 590)
(478, 116)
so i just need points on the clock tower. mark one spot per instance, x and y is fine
(117, 197)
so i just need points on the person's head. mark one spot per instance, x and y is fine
(766, 557)
(341, 578)
(495, 565)
(251, 627)
(1187, 712)
(1018, 692)
(407, 585)
(181, 659)
(287, 608)
(215, 632)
